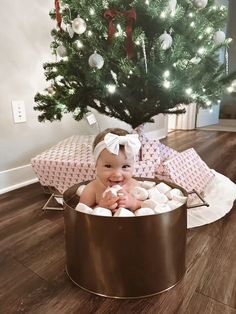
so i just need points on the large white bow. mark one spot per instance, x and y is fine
(112, 143)
(130, 141)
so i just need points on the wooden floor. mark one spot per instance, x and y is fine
(32, 255)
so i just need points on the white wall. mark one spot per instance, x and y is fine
(25, 28)
(208, 116)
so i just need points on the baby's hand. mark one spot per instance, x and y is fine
(126, 200)
(109, 201)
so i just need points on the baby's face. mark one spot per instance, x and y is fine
(114, 169)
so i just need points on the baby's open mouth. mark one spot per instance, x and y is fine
(112, 183)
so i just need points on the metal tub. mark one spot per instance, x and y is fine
(124, 257)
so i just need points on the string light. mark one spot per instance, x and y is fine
(119, 31)
(166, 74)
(111, 88)
(208, 30)
(79, 44)
(201, 51)
(208, 103)
(166, 84)
(192, 24)
(91, 11)
(163, 15)
(190, 14)
(90, 33)
(147, 2)
(188, 91)
(230, 89)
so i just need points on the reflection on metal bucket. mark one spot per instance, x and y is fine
(124, 257)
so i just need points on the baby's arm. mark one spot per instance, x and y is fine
(88, 196)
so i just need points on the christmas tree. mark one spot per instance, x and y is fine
(134, 59)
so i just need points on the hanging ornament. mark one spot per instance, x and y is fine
(79, 25)
(172, 6)
(219, 37)
(166, 41)
(50, 90)
(144, 54)
(96, 61)
(70, 30)
(201, 4)
(226, 62)
(61, 51)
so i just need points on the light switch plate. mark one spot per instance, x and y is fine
(18, 110)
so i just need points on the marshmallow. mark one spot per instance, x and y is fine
(157, 196)
(163, 208)
(84, 208)
(172, 193)
(179, 198)
(147, 184)
(144, 211)
(149, 203)
(114, 189)
(173, 204)
(163, 187)
(100, 211)
(139, 193)
(123, 212)
(80, 189)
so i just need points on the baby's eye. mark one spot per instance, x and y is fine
(107, 166)
(126, 166)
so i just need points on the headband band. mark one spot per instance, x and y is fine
(112, 143)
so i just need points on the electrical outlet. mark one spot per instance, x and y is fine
(91, 118)
(18, 110)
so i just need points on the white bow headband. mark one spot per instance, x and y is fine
(112, 143)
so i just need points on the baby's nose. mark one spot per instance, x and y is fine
(116, 173)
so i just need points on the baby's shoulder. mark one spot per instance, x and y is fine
(135, 182)
(132, 184)
(91, 186)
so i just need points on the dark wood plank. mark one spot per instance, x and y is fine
(203, 305)
(219, 278)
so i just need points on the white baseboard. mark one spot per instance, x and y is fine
(16, 178)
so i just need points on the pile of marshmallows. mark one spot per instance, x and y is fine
(157, 199)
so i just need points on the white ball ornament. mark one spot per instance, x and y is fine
(166, 41)
(79, 25)
(219, 37)
(96, 61)
(201, 4)
(61, 51)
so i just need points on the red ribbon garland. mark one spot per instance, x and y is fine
(58, 15)
(130, 17)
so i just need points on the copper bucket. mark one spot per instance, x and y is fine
(124, 257)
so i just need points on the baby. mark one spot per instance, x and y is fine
(114, 153)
